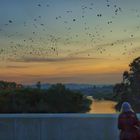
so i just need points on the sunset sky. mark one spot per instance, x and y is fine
(68, 41)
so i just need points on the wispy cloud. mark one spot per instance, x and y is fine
(79, 78)
(16, 67)
(105, 45)
(61, 59)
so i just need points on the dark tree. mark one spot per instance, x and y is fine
(129, 89)
(135, 65)
(60, 99)
(56, 99)
(135, 75)
(38, 85)
(4, 85)
(126, 77)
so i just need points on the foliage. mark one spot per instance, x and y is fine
(129, 89)
(9, 85)
(38, 85)
(61, 99)
(57, 99)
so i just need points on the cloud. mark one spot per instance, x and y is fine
(62, 59)
(104, 78)
(16, 67)
(104, 45)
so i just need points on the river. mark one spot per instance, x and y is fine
(102, 107)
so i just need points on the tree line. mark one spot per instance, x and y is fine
(56, 99)
(129, 88)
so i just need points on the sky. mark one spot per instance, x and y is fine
(68, 41)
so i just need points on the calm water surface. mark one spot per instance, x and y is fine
(103, 107)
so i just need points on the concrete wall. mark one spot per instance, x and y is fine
(58, 127)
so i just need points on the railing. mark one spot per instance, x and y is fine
(58, 127)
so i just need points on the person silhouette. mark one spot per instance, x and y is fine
(128, 123)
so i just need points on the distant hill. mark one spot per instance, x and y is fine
(87, 89)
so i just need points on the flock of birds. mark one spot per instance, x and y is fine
(45, 43)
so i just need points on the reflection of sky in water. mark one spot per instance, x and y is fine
(67, 38)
